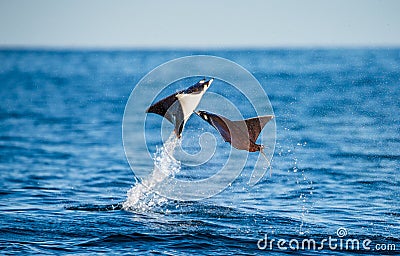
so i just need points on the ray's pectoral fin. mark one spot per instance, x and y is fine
(178, 107)
(219, 123)
(162, 108)
(176, 116)
(222, 127)
(255, 126)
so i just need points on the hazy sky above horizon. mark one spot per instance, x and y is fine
(199, 24)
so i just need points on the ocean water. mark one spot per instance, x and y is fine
(67, 188)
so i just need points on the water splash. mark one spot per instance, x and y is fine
(289, 152)
(142, 197)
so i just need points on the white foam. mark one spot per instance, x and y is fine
(142, 197)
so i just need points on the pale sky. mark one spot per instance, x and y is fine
(199, 23)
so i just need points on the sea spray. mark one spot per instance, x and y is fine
(143, 196)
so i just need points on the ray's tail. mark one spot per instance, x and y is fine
(268, 162)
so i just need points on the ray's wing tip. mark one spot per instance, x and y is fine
(270, 117)
(150, 109)
(208, 83)
(204, 80)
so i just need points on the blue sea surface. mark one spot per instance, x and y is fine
(64, 175)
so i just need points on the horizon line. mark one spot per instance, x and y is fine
(192, 48)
